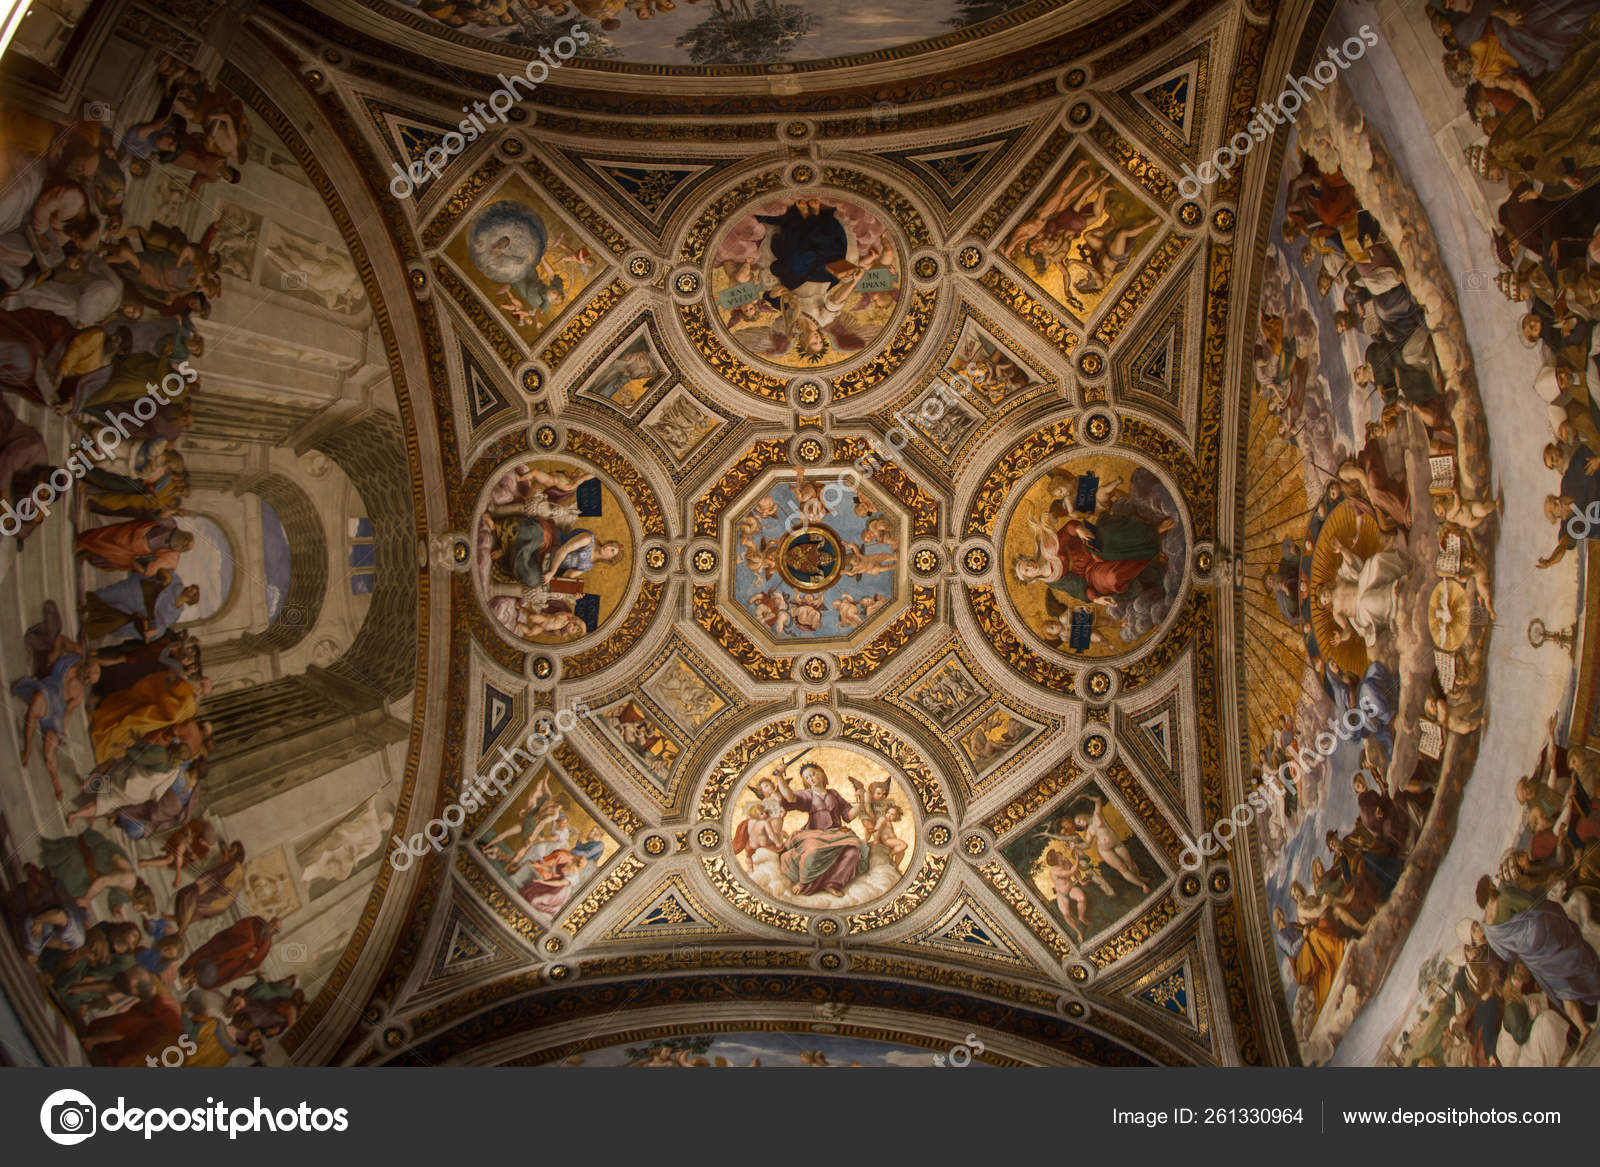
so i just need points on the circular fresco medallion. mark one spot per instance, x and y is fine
(555, 554)
(810, 559)
(823, 827)
(805, 282)
(1095, 555)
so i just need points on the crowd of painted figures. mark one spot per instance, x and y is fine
(1524, 987)
(95, 310)
(1531, 80)
(1352, 605)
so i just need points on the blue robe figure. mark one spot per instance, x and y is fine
(803, 246)
(506, 243)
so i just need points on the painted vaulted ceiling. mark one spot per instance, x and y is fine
(804, 518)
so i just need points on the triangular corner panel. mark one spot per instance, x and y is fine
(649, 190)
(1175, 990)
(1157, 364)
(966, 930)
(953, 170)
(1153, 735)
(484, 398)
(1170, 100)
(408, 136)
(499, 710)
(670, 909)
(471, 948)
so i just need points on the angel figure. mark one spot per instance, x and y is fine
(772, 609)
(847, 609)
(758, 832)
(807, 611)
(858, 563)
(872, 802)
(884, 835)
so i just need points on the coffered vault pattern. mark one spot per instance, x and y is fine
(799, 436)
(1007, 300)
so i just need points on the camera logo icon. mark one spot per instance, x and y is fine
(294, 281)
(67, 1117)
(294, 952)
(96, 111)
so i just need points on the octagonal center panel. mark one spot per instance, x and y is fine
(823, 827)
(812, 562)
(805, 282)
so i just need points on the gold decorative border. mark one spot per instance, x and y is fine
(1039, 318)
(1042, 384)
(1135, 935)
(1214, 355)
(484, 886)
(466, 193)
(896, 353)
(1246, 72)
(899, 207)
(962, 113)
(1135, 795)
(903, 904)
(999, 879)
(1026, 183)
(1175, 460)
(1186, 630)
(697, 326)
(1143, 171)
(735, 481)
(1014, 813)
(575, 205)
(871, 656)
(1188, 956)
(735, 893)
(619, 878)
(892, 966)
(504, 347)
(981, 598)
(596, 790)
(578, 327)
(924, 508)
(889, 744)
(654, 131)
(624, 931)
(649, 963)
(1237, 981)
(1038, 447)
(737, 758)
(722, 208)
(625, 636)
(1200, 53)
(1138, 290)
(708, 614)
(605, 456)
